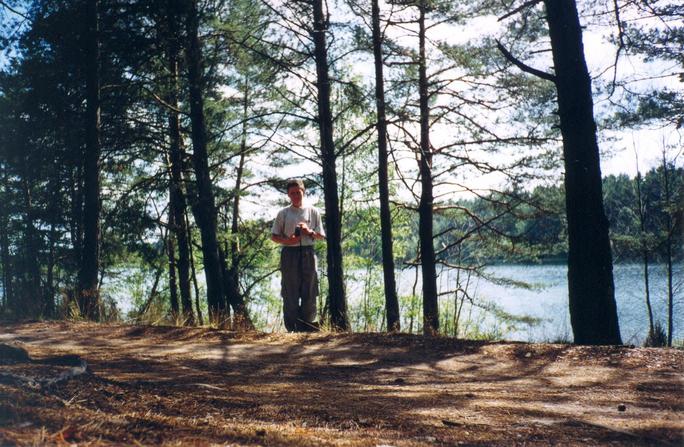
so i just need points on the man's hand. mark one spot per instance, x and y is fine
(306, 230)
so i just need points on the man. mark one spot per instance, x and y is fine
(295, 228)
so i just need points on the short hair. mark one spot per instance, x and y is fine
(295, 182)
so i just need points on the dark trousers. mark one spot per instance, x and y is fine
(299, 288)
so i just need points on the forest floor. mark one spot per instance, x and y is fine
(197, 386)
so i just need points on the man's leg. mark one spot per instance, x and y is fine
(289, 287)
(307, 311)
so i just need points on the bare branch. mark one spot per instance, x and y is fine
(527, 4)
(521, 65)
(12, 10)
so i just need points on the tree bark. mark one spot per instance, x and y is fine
(178, 203)
(668, 253)
(89, 295)
(49, 290)
(204, 208)
(7, 283)
(236, 298)
(193, 272)
(337, 301)
(171, 253)
(593, 312)
(7, 270)
(644, 251)
(391, 300)
(241, 320)
(427, 250)
(76, 225)
(32, 296)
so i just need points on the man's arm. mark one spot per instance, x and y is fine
(318, 231)
(292, 240)
(278, 231)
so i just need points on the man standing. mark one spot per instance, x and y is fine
(295, 228)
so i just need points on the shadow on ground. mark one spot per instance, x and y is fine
(163, 385)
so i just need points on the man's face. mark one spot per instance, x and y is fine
(296, 195)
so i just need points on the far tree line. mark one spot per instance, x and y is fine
(146, 133)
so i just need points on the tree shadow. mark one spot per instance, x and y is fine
(429, 389)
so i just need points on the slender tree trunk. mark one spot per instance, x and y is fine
(337, 301)
(171, 252)
(236, 298)
(235, 218)
(49, 292)
(391, 300)
(413, 301)
(644, 251)
(89, 295)
(193, 272)
(76, 225)
(5, 258)
(178, 203)
(183, 261)
(668, 253)
(33, 297)
(427, 250)
(153, 292)
(7, 286)
(230, 283)
(205, 208)
(593, 312)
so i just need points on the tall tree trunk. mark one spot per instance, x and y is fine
(32, 295)
(5, 258)
(668, 252)
(337, 301)
(49, 291)
(391, 300)
(644, 251)
(89, 295)
(204, 208)
(235, 297)
(171, 253)
(7, 284)
(76, 226)
(193, 272)
(593, 312)
(179, 231)
(235, 217)
(176, 194)
(57, 183)
(427, 250)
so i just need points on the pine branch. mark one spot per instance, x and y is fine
(524, 67)
(527, 4)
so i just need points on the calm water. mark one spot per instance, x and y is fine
(548, 301)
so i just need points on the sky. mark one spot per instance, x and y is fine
(619, 149)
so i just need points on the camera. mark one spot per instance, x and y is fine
(298, 231)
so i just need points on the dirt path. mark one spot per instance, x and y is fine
(173, 386)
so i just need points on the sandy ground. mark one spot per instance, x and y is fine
(196, 386)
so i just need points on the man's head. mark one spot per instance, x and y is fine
(295, 191)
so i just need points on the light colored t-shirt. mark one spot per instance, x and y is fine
(288, 218)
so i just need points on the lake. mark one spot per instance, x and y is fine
(548, 301)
